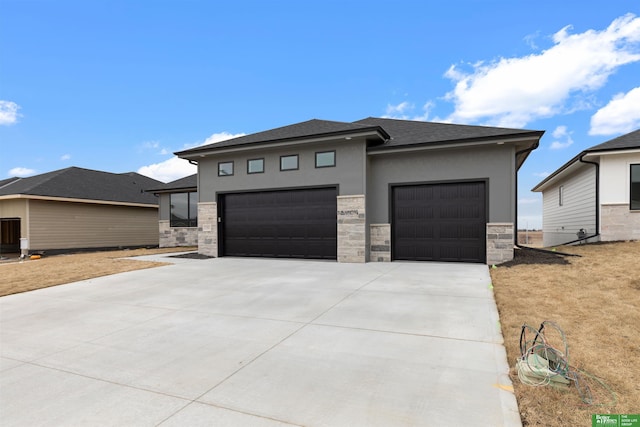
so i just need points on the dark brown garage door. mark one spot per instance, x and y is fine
(287, 224)
(439, 222)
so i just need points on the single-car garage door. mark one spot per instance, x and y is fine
(439, 222)
(288, 224)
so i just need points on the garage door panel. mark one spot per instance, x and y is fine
(292, 224)
(439, 222)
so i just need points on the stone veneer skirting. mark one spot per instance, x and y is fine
(351, 229)
(208, 228)
(171, 237)
(380, 248)
(499, 242)
(618, 222)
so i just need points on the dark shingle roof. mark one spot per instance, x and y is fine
(310, 128)
(185, 183)
(411, 132)
(629, 140)
(79, 183)
(392, 133)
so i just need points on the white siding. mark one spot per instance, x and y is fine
(615, 177)
(560, 224)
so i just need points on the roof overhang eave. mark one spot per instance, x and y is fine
(75, 200)
(196, 153)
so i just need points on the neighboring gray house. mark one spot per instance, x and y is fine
(76, 208)
(372, 190)
(595, 195)
(178, 212)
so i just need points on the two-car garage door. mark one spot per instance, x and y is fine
(430, 222)
(297, 223)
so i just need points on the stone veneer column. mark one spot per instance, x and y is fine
(164, 239)
(618, 222)
(208, 228)
(380, 235)
(499, 242)
(351, 229)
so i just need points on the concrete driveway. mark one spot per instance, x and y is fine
(257, 342)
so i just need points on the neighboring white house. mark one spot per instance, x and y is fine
(594, 196)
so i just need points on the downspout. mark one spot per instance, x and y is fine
(597, 233)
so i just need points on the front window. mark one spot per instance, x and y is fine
(225, 168)
(325, 159)
(184, 209)
(255, 166)
(634, 196)
(289, 162)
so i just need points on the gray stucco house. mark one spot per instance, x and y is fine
(595, 196)
(371, 190)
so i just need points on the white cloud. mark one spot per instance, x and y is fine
(21, 172)
(542, 174)
(563, 138)
(65, 157)
(169, 170)
(8, 112)
(175, 167)
(620, 115)
(398, 111)
(405, 111)
(514, 91)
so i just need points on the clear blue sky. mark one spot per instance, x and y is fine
(120, 85)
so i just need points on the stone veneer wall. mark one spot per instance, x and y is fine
(171, 237)
(351, 229)
(500, 240)
(618, 222)
(208, 228)
(380, 249)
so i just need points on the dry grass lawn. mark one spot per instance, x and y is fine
(59, 269)
(596, 301)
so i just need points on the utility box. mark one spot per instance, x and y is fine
(24, 246)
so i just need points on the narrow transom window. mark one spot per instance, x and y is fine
(255, 166)
(225, 168)
(561, 195)
(288, 163)
(634, 196)
(325, 159)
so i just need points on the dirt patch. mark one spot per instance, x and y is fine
(533, 256)
(191, 255)
(22, 276)
(595, 300)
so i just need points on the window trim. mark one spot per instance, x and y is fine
(290, 169)
(631, 167)
(226, 163)
(561, 195)
(253, 160)
(325, 152)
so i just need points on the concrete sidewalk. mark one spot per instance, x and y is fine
(257, 342)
